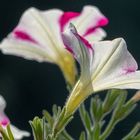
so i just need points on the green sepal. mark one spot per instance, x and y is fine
(82, 136)
(37, 128)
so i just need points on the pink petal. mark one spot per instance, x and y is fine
(66, 17)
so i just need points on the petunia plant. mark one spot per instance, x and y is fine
(61, 38)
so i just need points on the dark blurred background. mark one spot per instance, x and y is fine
(29, 87)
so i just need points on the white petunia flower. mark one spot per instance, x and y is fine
(38, 36)
(104, 65)
(4, 121)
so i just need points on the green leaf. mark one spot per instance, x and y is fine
(133, 132)
(85, 118)
(48, 117)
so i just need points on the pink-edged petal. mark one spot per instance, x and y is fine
(66, 17)
(88, 21)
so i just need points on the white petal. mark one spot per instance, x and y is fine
(128, 81)
(112, 60)
(98, 34)
(36, 36)
(2, 103)
(19, 134)
(112, 56)
(25, 50)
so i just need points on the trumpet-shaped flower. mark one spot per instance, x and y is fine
(38, 36)
(4, 121)
(104, 65)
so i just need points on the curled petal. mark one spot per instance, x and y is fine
(78, 46)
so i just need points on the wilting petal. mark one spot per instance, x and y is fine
(4, 121)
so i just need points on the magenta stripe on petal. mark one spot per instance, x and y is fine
(69, 49)
(24, 36)
(102, 22)
(87, 44)
(66, 17)
(130, 70)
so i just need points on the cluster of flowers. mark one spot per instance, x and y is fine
(59, 37)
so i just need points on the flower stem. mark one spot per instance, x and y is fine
(108, 129)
